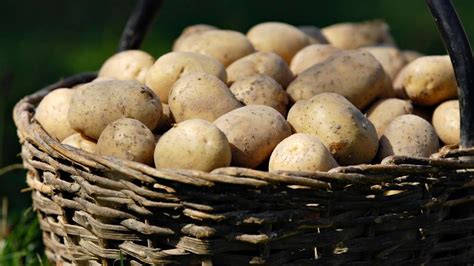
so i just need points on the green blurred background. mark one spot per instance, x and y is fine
(41, 41)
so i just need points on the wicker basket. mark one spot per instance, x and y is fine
(96, 210)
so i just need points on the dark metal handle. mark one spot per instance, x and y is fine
(459, 50)
(138, 23)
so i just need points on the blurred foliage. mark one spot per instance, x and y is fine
(21, 246)
(41, 41)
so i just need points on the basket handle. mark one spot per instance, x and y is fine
(457, 44)
(138, 23)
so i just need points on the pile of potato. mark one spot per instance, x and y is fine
(279, 98)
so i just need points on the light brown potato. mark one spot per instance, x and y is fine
(356, 75)
(411, 55)
(97, 104)
(356, 35)
(314, 33)
(280, 38)
(391, 59)
(447, 123)
(408, 135)
(200, 95)
(267, 63)
(81, 142)
(342, 128)
(311, 55)
(430, 80)
(191, 30)
(301, 152)
(387, 91)
(128, 139)
(224, 45)
(166, 121)
(397, 84)
(193, 144)
(382, 112)
(253, 132)
(171, 66)
(127, 65)
(260, 90)
(52, 111)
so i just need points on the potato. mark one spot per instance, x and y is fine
(79, 141)
(166, 121)
(260, 90)
(200, 95)
(224, 45)
(191, 30)
(430, 80)
(356, 35)
(266, 63)
(311, 55)
(97, 104)
(253, 132)
(398, 88)
(193, 144)
(280, 38)
(408, 135)
(128, 139)
(342, 128)
(387, 91)
(382, 112)
(447, 123)
(301, 152)
(411, 55)
(391, 59)
(314, 33)
(52, 111)
(127, 65)
(171, 66)
(356, 75)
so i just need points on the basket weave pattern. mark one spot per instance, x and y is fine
(98, 210)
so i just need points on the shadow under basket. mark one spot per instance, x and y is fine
(97, 210)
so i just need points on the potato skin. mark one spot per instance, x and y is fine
(224, 45)
(267, 36)
(253, 132)
(391, 59)
(81, 142)
(411, 55)
(200, 95)
(171, 66)
(382, 112)
(447, 123)
(356, 35)
(342, 128)
(127, 65)
(128, 139)
(52, 112)
(430, 80)
(301, 152)
(193, 144)
(97, 104)
(260, 90)
(408, 135)
(191, 30)
(356, 75)
(267, 63)
(311, 55)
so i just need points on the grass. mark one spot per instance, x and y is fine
(22, 245)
